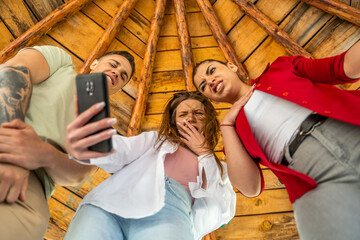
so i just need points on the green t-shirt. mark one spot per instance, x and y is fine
(51, 106)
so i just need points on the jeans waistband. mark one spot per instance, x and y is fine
(305, 129)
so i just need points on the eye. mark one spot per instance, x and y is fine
(203, 87)
(113, 65)
(199, 113)
(212, 70)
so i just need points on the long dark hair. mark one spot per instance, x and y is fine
(168, 128)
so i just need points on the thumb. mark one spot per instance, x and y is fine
(16, 123)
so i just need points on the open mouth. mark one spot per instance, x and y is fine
(110, 79)
(217, 88)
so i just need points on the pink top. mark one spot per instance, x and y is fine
(182, 166)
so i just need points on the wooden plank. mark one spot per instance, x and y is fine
(121, 106)
(16, 16)
(304, 22)
(125, 36)
(337, 36)
(109, 34)
(270, 201)
(60, 214)
(42, 8)
(197, 25)
(190, 6)
(54, 232)
(134, 127)
(272, 29)
(255, 35)
(222, 38)
(144, 7)
(338, 9)
(42, 27)
(167, 81)
(5, 35)
(228, 13)
(280, 226)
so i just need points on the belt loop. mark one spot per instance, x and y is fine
(305, 129)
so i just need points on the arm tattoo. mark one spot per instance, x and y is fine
(15, 92)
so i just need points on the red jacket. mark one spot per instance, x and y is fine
(308, 83)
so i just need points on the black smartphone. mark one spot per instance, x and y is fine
(91, 89)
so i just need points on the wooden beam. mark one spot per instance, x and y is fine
(338, 9)
(185, 44)
(221, 38)
(134, 127)
(271, 28)
(42, 27)
(109, 34)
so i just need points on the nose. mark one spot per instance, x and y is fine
(116, 73)
(211, 81)
(190, 117)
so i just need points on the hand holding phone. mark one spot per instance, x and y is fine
(91, 89)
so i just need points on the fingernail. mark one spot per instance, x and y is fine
(112, 121)
(111, 132)
(184, 120)
(178, 123)
(100, 105)
(254, 85)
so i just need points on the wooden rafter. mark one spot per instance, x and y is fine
(38, 30)
(185, 44)
(271, 28)
(336, 8)
(146, 72)
(109, 34)
(221, 38)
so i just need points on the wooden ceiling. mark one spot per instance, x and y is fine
(268, 216)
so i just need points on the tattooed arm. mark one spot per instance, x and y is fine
(17, 76)
(21, 149)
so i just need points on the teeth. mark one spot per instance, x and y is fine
(218, 87)
(109, 78)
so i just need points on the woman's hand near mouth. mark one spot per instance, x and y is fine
(193, 139)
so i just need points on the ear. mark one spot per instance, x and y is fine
(232, 66)
(94, 64)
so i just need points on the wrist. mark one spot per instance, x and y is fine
(227, 125)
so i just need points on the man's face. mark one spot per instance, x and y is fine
(117, 69)
(217, 81)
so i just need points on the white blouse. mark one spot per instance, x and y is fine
(137, 187)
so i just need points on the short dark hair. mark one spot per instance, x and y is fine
(204, 61)
(126, 55)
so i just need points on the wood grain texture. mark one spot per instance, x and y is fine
(109, 34)
(134, 127)
(271, 28)
(185, 44)
(222, 38)
(41, 28)
(338, 9)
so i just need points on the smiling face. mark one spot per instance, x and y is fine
(192, 111)
(117, 69)
(219, 82)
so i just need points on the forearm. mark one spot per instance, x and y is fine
(242, 170)
(352, 62)
(15, 92)
(65, 171)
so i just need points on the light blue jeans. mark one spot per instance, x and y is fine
(331, 156)
(173, 221)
